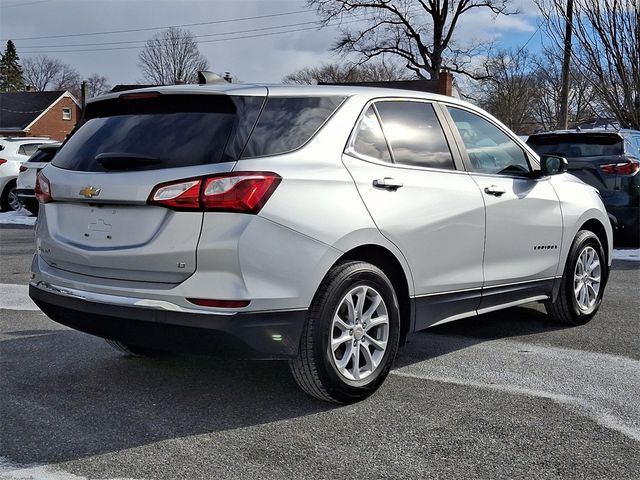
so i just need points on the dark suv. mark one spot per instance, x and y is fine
(607, 159)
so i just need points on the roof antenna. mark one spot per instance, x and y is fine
(206, 78)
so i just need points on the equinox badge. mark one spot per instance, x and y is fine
(90, 192)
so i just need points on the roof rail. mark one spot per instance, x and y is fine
(17, 139)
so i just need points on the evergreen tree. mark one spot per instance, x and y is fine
(11, 79)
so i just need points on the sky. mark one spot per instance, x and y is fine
(71, 28)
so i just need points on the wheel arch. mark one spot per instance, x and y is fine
(386, 261)
(595, 226)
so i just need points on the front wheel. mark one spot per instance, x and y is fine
(351, 335)
(582, 284)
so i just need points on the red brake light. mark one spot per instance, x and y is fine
(630, 167)
(43, 189)
(139, 96)
(23, 168)
(205, 302)
(2, 160)
(242, 192)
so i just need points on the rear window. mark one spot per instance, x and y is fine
(167, 131)
(28, 148)
(575, 146)
(287, 123)
(43, 156)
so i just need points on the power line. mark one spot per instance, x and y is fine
(204, 41)
(24, 4)
(240, 19)
(316, 22)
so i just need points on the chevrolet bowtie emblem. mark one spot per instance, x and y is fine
(90, 192)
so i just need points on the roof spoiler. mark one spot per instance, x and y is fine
(206, 77)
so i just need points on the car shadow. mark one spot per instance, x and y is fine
(65, 395)
(453, 336)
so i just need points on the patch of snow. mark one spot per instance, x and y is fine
(20, 217)
(628, 254)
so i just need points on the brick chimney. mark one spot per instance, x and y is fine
(445, 83)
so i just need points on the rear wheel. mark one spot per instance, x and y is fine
(9, 199)
(351, 335)
(583, 282)
(134, 349)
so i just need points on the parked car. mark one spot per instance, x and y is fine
(26, 181)
(14, 151)
(609, 160)
(314, 223)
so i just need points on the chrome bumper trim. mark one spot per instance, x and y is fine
(123, 301)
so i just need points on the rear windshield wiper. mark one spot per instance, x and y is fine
(125, 161)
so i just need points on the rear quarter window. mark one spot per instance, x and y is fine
(287, 123)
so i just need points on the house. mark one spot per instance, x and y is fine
(38, 114)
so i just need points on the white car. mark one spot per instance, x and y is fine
(14, 151)
(26, 181)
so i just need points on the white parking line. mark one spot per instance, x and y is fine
(605, 388)
(15, 297)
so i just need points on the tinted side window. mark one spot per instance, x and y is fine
(287, 123)
(635, 146)
(414, 134)
(490, 150)
(369, 142)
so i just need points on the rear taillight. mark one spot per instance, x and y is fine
(23, 168)
(2, 161)
(630, 167)
(242, 192)
(43, 189)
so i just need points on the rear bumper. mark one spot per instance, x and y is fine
(28, 198)
(26, 193)
(255, 334)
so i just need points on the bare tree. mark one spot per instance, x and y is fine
(172, 57)
(41, 71)
(607, 37)
(341, 73)
(47, 73)
(420, 33)
(97, 85)
(581, 102)
(510, 90)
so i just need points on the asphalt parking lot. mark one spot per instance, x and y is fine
(504, 395)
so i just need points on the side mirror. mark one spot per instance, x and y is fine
(553, 164)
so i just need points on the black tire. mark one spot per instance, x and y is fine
(134, 350)
(5, 206)
(314, 369)
(565, 308)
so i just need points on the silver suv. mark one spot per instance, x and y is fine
(317, 224)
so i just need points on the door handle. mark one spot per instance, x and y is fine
(494, 190)
(387, 183)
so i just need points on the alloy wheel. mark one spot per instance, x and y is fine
(359, 333)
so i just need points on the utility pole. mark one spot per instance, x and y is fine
(563, 122)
